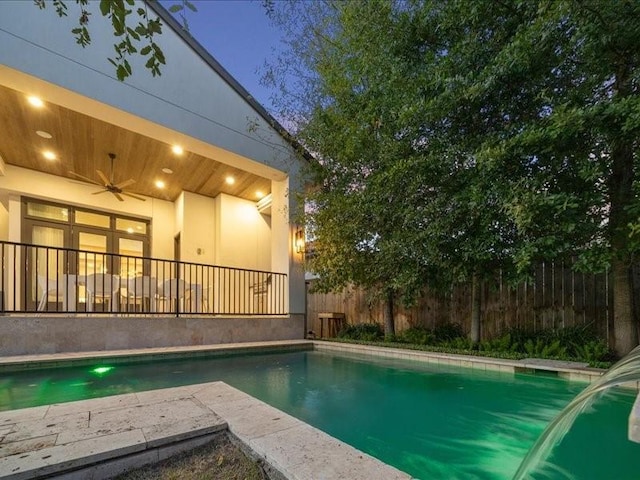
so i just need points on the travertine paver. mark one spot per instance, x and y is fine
(104, 403)
(48, 426)
(10, 417)
(47, 461)
(306, 453)
(183, 429)
(28, 445)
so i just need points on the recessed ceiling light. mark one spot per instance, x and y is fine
(49, 155)
(230, 180)
(43, 134)
(168, 171)
(177, 149)
(160, 184)
(259, 194)
(35, 101)
(129, 230)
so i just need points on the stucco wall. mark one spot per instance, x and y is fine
(243, 235)
(37, 335)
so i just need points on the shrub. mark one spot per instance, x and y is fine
(368, 332)
(503, 343)
(416, 336)
(458, 343)
(448, 331)
(594, 351)
(543, 349)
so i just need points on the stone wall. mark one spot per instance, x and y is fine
(36, 335)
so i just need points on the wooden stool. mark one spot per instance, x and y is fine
(335, 322)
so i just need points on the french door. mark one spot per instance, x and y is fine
(108, 243)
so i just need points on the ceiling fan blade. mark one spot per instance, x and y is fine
(99, 191)
(126, 183)
(134, 196)
(118, 196)
(86, 179)
(103, 177)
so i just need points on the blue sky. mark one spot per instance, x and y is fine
(239, 35)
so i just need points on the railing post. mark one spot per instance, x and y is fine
(177, 289)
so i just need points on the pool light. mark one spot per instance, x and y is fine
(101, 370)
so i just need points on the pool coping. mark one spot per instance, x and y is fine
(287, 447)
(48, 360)
(572, 371)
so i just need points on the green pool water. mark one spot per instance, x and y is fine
(431, 421)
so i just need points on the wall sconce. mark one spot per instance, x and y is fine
(299, 241)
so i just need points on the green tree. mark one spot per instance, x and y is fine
(569, 83)
(459, 137)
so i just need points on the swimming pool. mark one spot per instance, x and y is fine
(431, 421)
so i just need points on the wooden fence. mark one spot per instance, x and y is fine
(556, 297)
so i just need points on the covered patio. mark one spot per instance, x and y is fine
(155, 198)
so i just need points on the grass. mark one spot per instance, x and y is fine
(218, 460)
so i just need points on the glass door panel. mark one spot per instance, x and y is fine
(47, 267)
(89, 263)
(92, 259)
(131, 267)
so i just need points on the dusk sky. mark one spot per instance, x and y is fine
(239, 35)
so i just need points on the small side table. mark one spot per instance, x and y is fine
(335, 322)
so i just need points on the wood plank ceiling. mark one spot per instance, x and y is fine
(82, 144)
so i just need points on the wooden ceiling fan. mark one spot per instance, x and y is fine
(108, 183)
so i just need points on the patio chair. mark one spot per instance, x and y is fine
(49, 292)
(102, 286)
(137, 290)
(170, 291)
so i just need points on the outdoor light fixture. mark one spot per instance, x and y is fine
(299, 240)
(49, 155)
(35, 101)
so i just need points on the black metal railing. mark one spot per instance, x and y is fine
(38, 279)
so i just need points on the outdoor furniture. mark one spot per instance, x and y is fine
(170, 291)
(102, 286)
(49, 291)
(139, 290)
(335, 322)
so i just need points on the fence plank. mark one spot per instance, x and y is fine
(556, 296)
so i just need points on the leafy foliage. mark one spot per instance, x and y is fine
(139, 38)
(367, 332)
(455, 138)
(577, 343)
